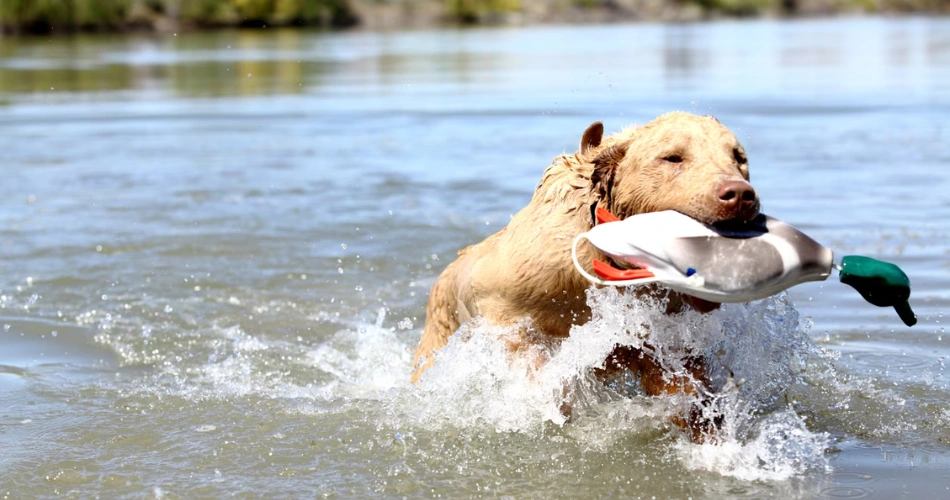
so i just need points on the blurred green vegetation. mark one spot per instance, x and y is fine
(75, 66)
(261, 12)
(62, 14)
(737, 7)
(472, 11)
(70, 15)
(815, 7)
(17, 16)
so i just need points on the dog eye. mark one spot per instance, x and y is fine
(740, 159)
(673, 159)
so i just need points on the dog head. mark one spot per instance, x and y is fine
(680, 161)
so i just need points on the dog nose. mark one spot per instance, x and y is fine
(738, 198)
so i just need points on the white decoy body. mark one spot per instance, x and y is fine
(740, 264)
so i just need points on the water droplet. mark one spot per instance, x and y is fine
(6, 328)
(98, 248)
(54, 333)
(105, 297)
(339, 270)
(359, 288)
(197, 288)
(303, 276)
(404, 324)
(343, 246)
(168, 309)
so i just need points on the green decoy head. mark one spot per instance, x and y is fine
(880, 283)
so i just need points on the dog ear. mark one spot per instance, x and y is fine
(592, 137)
(605, 164)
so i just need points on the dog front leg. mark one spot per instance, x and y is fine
(655, 382)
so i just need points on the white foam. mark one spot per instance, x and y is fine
(366, 361)
(781, 447)
(756, 351)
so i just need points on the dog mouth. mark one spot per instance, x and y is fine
(740, 224)
(730, 222)
(748, 211)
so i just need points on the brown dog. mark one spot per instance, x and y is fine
(683, 162)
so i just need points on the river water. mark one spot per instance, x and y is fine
(215, 251)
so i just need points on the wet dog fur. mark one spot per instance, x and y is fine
(680, 161)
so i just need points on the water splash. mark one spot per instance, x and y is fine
(782, 447)
(366, 361)
(755, 353)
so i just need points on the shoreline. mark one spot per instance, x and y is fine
(167, 16)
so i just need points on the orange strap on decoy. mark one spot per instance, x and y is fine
(611, 273)
(605, 270)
